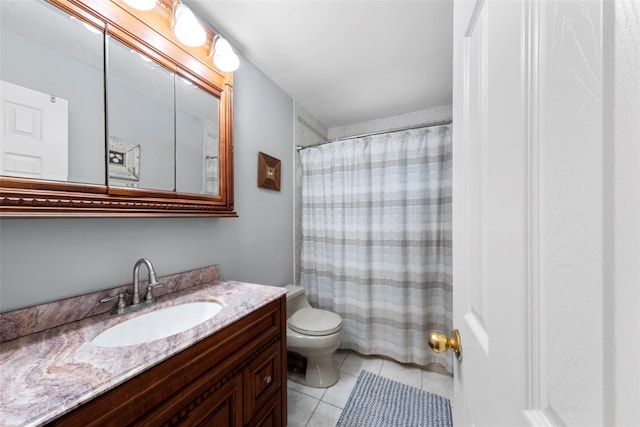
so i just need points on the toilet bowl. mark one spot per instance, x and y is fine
(312, 335)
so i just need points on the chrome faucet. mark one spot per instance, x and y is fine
(153, 281)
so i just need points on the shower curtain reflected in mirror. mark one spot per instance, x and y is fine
(376, 240)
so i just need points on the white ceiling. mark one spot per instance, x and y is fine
(345, 61)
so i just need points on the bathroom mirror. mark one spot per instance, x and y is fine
(141, 133)
(52, 81)
(197, 138)
(149, 120)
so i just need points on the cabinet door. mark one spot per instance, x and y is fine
(213, 407)
(262, 379)
(268, 416)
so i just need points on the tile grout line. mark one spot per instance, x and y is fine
(361, 363)
(312, 413)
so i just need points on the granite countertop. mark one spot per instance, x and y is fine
(49, 373)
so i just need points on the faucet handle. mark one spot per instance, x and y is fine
(150, 287)
(121, 303)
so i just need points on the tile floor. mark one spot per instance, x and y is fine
(316, 407)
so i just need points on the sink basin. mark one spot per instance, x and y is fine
(158, 324)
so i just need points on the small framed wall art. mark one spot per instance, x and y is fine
(268, 172)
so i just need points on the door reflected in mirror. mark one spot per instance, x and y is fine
(197, 139)
(140, 105)
(52, 106)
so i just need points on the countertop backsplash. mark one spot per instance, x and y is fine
(26, 321)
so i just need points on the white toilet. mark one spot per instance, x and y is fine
(313, 335)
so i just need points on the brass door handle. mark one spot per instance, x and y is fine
(440, 343)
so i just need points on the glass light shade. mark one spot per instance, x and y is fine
(225, 58)
(228, 62)
(223, 46)
(187, 28)
(141, 4)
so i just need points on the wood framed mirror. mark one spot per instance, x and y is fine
(148, 125)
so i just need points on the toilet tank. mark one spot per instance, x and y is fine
(295, 299)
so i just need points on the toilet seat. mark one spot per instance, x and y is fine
(315, 322)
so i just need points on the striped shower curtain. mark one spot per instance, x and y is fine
(376, 240)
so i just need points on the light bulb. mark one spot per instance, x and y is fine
(141, 4)
(187, 28)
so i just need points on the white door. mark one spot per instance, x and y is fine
(536, 271)
(490, 214)
(34, 134)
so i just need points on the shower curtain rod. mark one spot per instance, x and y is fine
(363, 135)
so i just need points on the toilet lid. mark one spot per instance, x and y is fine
(313, 321)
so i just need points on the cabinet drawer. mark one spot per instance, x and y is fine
(262, 378)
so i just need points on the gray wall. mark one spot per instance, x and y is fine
(48, 259)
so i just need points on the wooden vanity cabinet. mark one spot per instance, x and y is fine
(259, 379)
(235, 377)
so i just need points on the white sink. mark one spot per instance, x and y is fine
(158, 324)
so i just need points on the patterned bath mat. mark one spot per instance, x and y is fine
(378, 401)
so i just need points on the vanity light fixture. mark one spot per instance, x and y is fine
(186, 27)
(223, 55)
(141, 4)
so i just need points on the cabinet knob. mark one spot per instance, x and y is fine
(268, 379)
